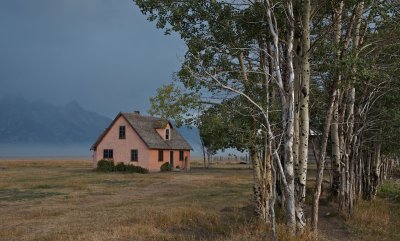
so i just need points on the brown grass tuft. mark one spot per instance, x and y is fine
(378, 219)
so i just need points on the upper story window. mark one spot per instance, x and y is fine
(167, 134)
(122, 132)
(108, 153)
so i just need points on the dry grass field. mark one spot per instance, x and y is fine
(67, 200)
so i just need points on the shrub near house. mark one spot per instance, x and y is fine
(108, 166)
(143, 141)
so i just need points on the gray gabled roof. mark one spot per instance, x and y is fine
(145, 127)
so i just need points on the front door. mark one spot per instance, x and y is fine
(171, 158)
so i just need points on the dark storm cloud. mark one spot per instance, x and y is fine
(102, 53)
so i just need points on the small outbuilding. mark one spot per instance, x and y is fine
(144, 141)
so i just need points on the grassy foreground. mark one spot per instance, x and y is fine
(380, 218)
(67, 200)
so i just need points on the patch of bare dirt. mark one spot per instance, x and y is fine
(332, 226)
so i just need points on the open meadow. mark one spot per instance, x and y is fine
(67, 200)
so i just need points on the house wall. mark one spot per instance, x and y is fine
(122, 147)
(154, 164)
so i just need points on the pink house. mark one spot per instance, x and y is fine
(144, 141)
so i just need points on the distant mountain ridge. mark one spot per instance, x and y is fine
(23, 121)
(34, 123)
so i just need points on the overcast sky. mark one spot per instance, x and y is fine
(102, 53)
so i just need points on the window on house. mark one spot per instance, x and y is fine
(122, 132)
(108, 153)
(160, 155)
(167, 134)
(134, 155)
(180, 155)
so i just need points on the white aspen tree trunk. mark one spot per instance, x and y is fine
(388, 167)
(304, 115)
(269, 188)
(343, 135)
(368, 174)
(350, 132)
(357, 150)
(289, 124)
(346, 193)
(268, 178)
(261, 168)
(360, 173)
(296, 122)
(273, 196)
(376, 169)
(288, 163)
(349, 153)
(335, 151)
(257, 185)
(287, 103)
(297, 83)
(267, 181)
(346, 185)
(337, 20)
(259, 198)
(357, 165)
(343, 184)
